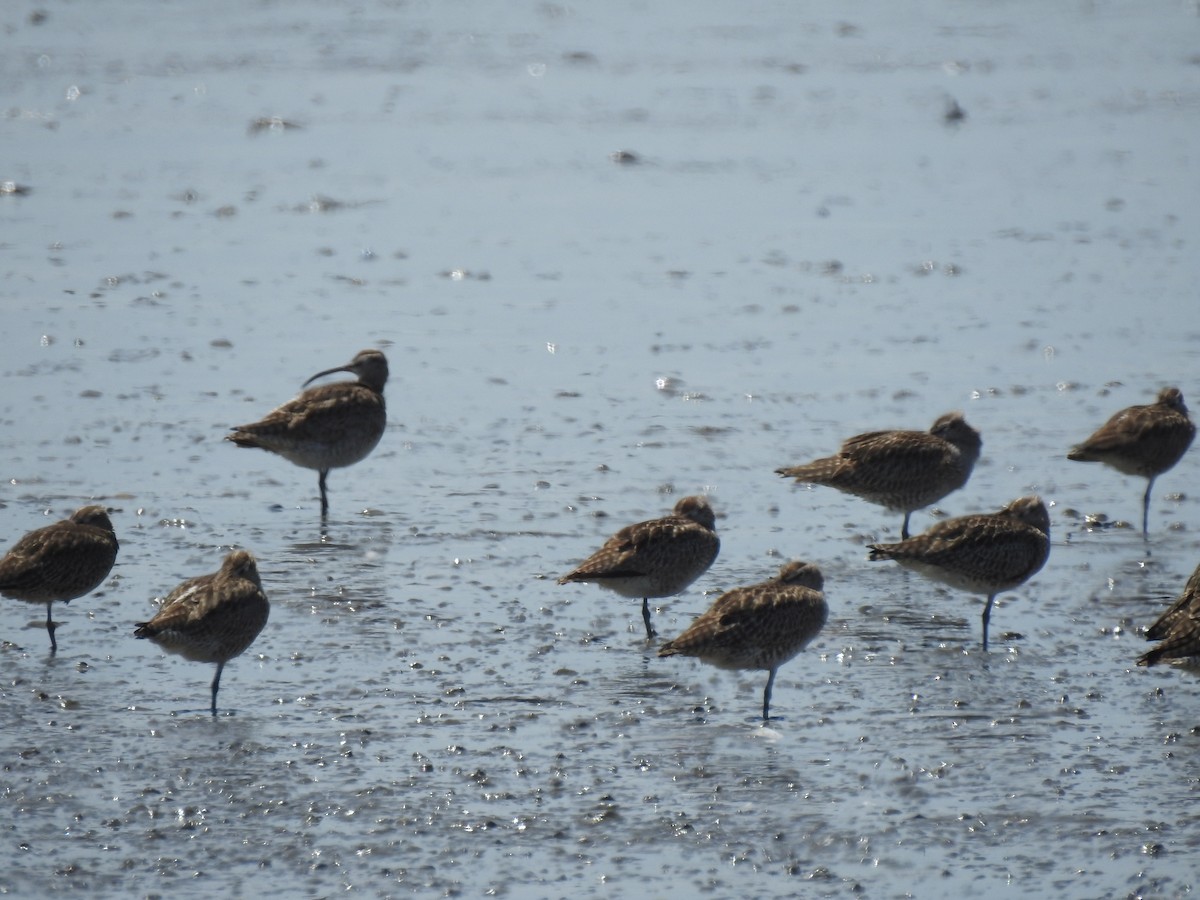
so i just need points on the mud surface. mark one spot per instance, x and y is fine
(798, 239)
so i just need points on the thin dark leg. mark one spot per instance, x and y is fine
(650, 632)
(767, 696)
(50, 627)
(216, 684)
(324, 494)
(987, 615)
(1146, 510)
(904, 527)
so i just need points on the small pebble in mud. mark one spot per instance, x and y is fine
(271, 123)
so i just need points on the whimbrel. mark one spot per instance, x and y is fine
(758, 627)
(212, 618)
(900, 470)
(657, 558)
(329, 426)
(984, 554)
(1142, 440)
(62, 561)
(1178, 628)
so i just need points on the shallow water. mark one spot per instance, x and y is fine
(806, 248)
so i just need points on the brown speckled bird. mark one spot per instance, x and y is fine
(62, 561)
(900, 470)
(758, 627)
(983, 554)
(658, 558)
(1178, 628)
(212, 618)
(326, 427)
(1142, 440)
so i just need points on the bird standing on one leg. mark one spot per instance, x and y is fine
(758, 627)
(212, 618)
(1142, 440)
(984, 554)
(900, 470)
(657, 558)
(62, 561)
(326, 427)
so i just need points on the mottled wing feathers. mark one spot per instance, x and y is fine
(966, 539)
(1141, 422)
(739, 613)
(1182, 641)
(910, 447)
(212, 618)
(900, 470)
(1187, 603)
(186, 603)
(720, 626)
(758, 626)
(985, 553)
(1141, 440)
(312, 410)
(898, 450)
(31, 560)
(61, 561)
(1178, 627)
(634, 550)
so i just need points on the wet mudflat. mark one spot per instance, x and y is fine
(800, 245)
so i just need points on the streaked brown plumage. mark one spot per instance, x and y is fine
(983, 554)
(61, 562)
(212, 618)
(658, 558)
(758, 627)
(900, 470)
(1142, 440)
(329, 426)
(1178, 628)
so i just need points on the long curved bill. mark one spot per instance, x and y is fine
(346, 368)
